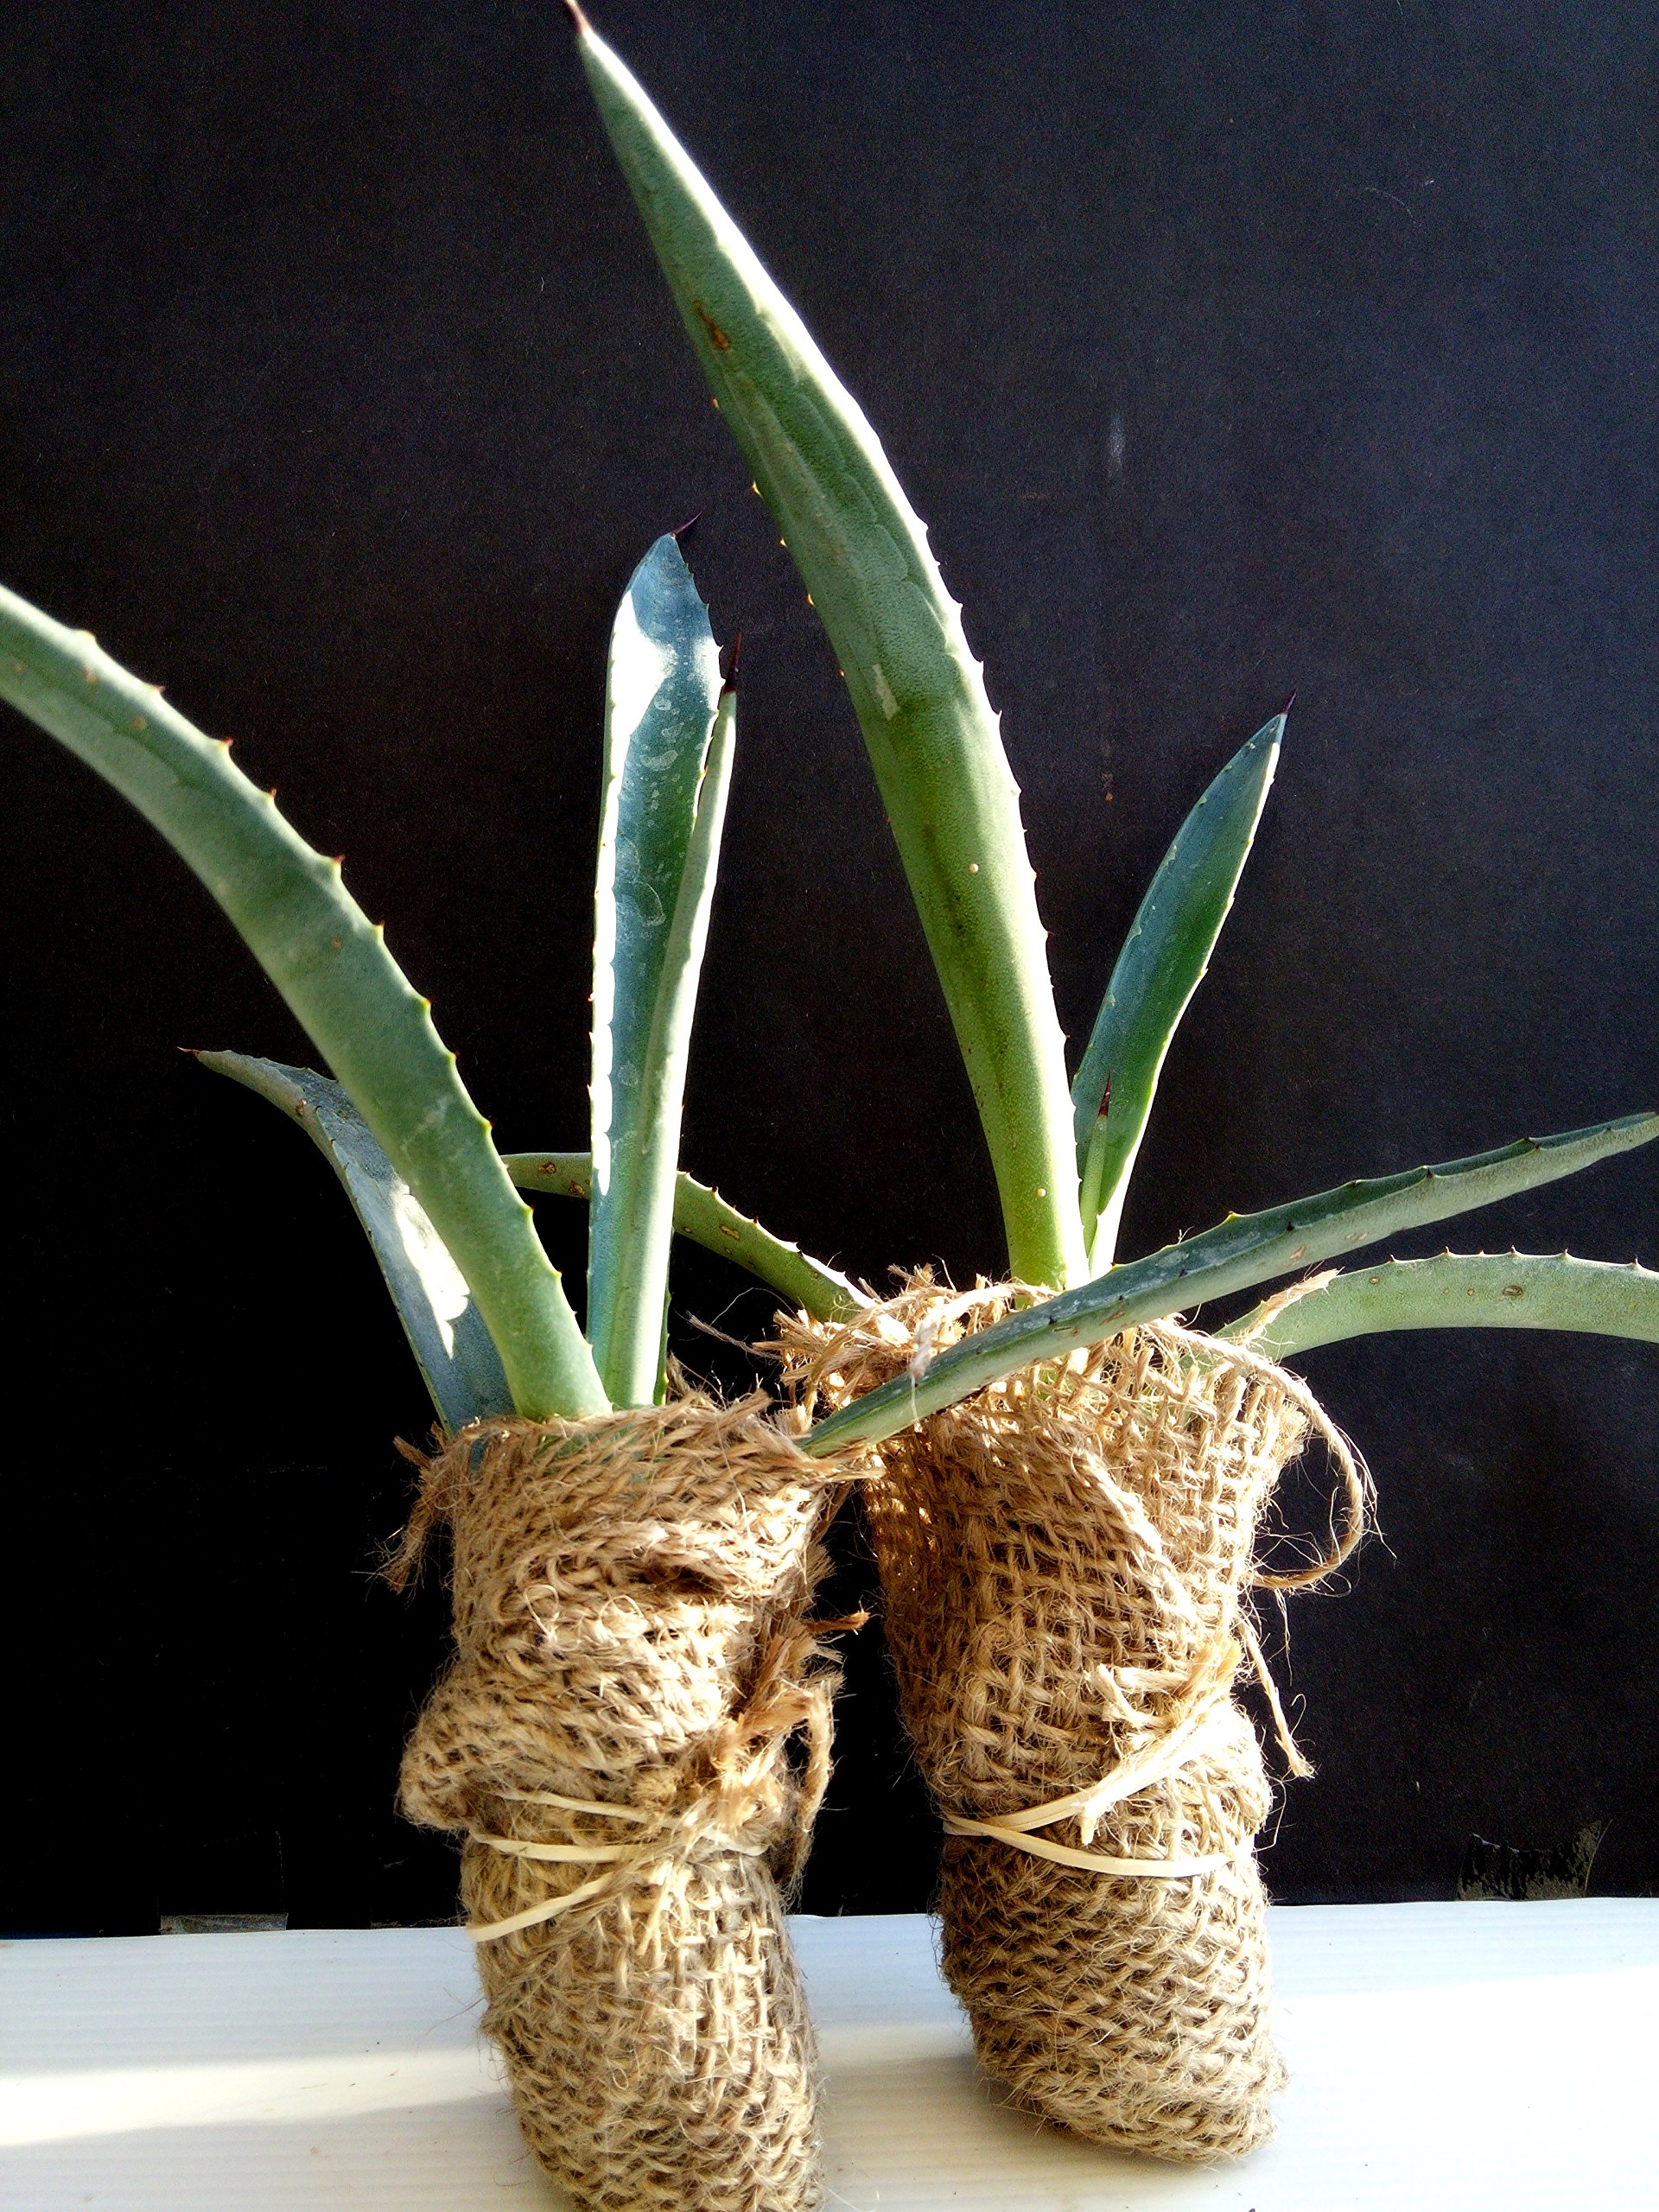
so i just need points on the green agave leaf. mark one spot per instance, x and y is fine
(918, 694)
(1162, 963)
(454, 1349)
(669, 733)
(707, 1219)
(1459, 1290)
(332, 966)
(1238, 1253)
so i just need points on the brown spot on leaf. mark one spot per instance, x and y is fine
(717, 337)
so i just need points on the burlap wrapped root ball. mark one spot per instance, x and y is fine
(614, 1739)
(1065, 1559)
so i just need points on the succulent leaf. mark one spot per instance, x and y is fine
(331, 965)
(668, 733)
(702, 1215)
(454, 1352)
(1162, 963)
(1238, 1253)
(1465, 1290)
(920, 696)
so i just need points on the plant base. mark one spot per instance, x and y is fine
(631, 1661)
(1064, 1558)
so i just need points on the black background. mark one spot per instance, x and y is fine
(1227, 349)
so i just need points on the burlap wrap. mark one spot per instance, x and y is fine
(1063, 1559)
(629, 1596)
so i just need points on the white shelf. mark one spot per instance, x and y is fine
(1486, 2058)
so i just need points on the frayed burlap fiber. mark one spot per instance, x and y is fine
(1063, 1559)
(612, 1739)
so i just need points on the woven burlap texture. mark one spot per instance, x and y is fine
(1065, 1559)
(632, 1662)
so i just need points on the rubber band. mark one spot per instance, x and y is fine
(1095, 1862)
(778, 1706)
(572, 1804)
(619, 1859)
(1204, 1710)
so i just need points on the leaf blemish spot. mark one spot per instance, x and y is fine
(717, 337)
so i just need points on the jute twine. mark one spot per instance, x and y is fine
(631, 1663)
(1065, 1559)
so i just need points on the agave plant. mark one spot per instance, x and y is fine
(1062, 1149)
(485, 1314)
(668, 1804)
(485, 1311)
(1068, 1499)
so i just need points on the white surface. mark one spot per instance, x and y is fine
(1486, 2058)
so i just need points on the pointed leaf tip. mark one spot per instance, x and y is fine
(1238, 1254)
(864, 558)
(1162, 962)
(664, 784)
